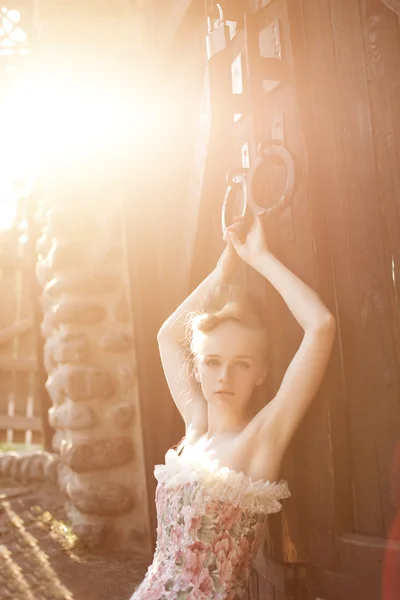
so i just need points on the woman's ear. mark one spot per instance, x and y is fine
(262, 377)
(196, 373)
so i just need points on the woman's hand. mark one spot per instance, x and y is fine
(255, 244)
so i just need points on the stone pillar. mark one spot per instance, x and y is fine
(89, 358)
(82, 270)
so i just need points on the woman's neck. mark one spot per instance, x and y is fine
(222, 423)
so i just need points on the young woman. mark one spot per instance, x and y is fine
(215, 491)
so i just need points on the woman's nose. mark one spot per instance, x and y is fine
(224, 374)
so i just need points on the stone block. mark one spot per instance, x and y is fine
(55, 388)
(88, 455)
(71, 347)
(49, 363)
(101, 281)
(26, 468)
(116, 341)
(47, 325)
(37, 466)
(63, 477)
(85, 383)
(51, 468)
(6, 461)
(78, 311)
(121, 414)
(90, 535)
(72, 416)
(43, 244)
(57, 441)
(15, 469)
(66, 255)
(126, 378)
(43, 273)
(46, 302)
(104, 500)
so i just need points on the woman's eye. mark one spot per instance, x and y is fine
(211, 362)
(243, 365)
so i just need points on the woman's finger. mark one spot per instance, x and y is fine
(233, 227)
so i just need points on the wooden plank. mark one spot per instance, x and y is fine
(339, 112)
(265, 589)
(20, 423)
(393, 5)
(253, 592)
(364, 554)
(9, 316)
(274, 69)
(311, 445)
(41, 398)
(314, 76)
(10, 261)
(166, 18)
(331, 585)
(280, 575)
(369, 351)
(382, 52)
(17, 364)
(5, 390)
(7, 334)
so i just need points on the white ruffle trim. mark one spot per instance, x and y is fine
(223, 483)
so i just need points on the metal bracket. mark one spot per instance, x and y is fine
(239, 180)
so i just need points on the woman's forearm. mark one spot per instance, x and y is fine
(303, 302)
(174, 327)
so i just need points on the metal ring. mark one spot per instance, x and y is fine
(266, 150)
(236, 180)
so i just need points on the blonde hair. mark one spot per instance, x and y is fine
(225, 302)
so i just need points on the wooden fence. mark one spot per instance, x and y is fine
(19, 407)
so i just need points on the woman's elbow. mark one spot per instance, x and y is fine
(327, 326)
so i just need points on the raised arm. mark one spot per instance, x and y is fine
(281, 417)
(190, 403)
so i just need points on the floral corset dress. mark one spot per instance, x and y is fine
(210, 524)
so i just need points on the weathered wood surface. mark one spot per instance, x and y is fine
(10, 332)
(339, 114)
(18, 360)
(393, 5)
(27, 365)
(161, 219)
(347, 79)
(21, 423)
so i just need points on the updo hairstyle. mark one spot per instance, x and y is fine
(225, 302)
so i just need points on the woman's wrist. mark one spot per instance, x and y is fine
(261, 260)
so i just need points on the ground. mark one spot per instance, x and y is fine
(40, 558)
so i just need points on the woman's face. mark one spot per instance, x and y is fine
(229, 363)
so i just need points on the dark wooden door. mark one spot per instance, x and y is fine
(336, 108)
(346, 76)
